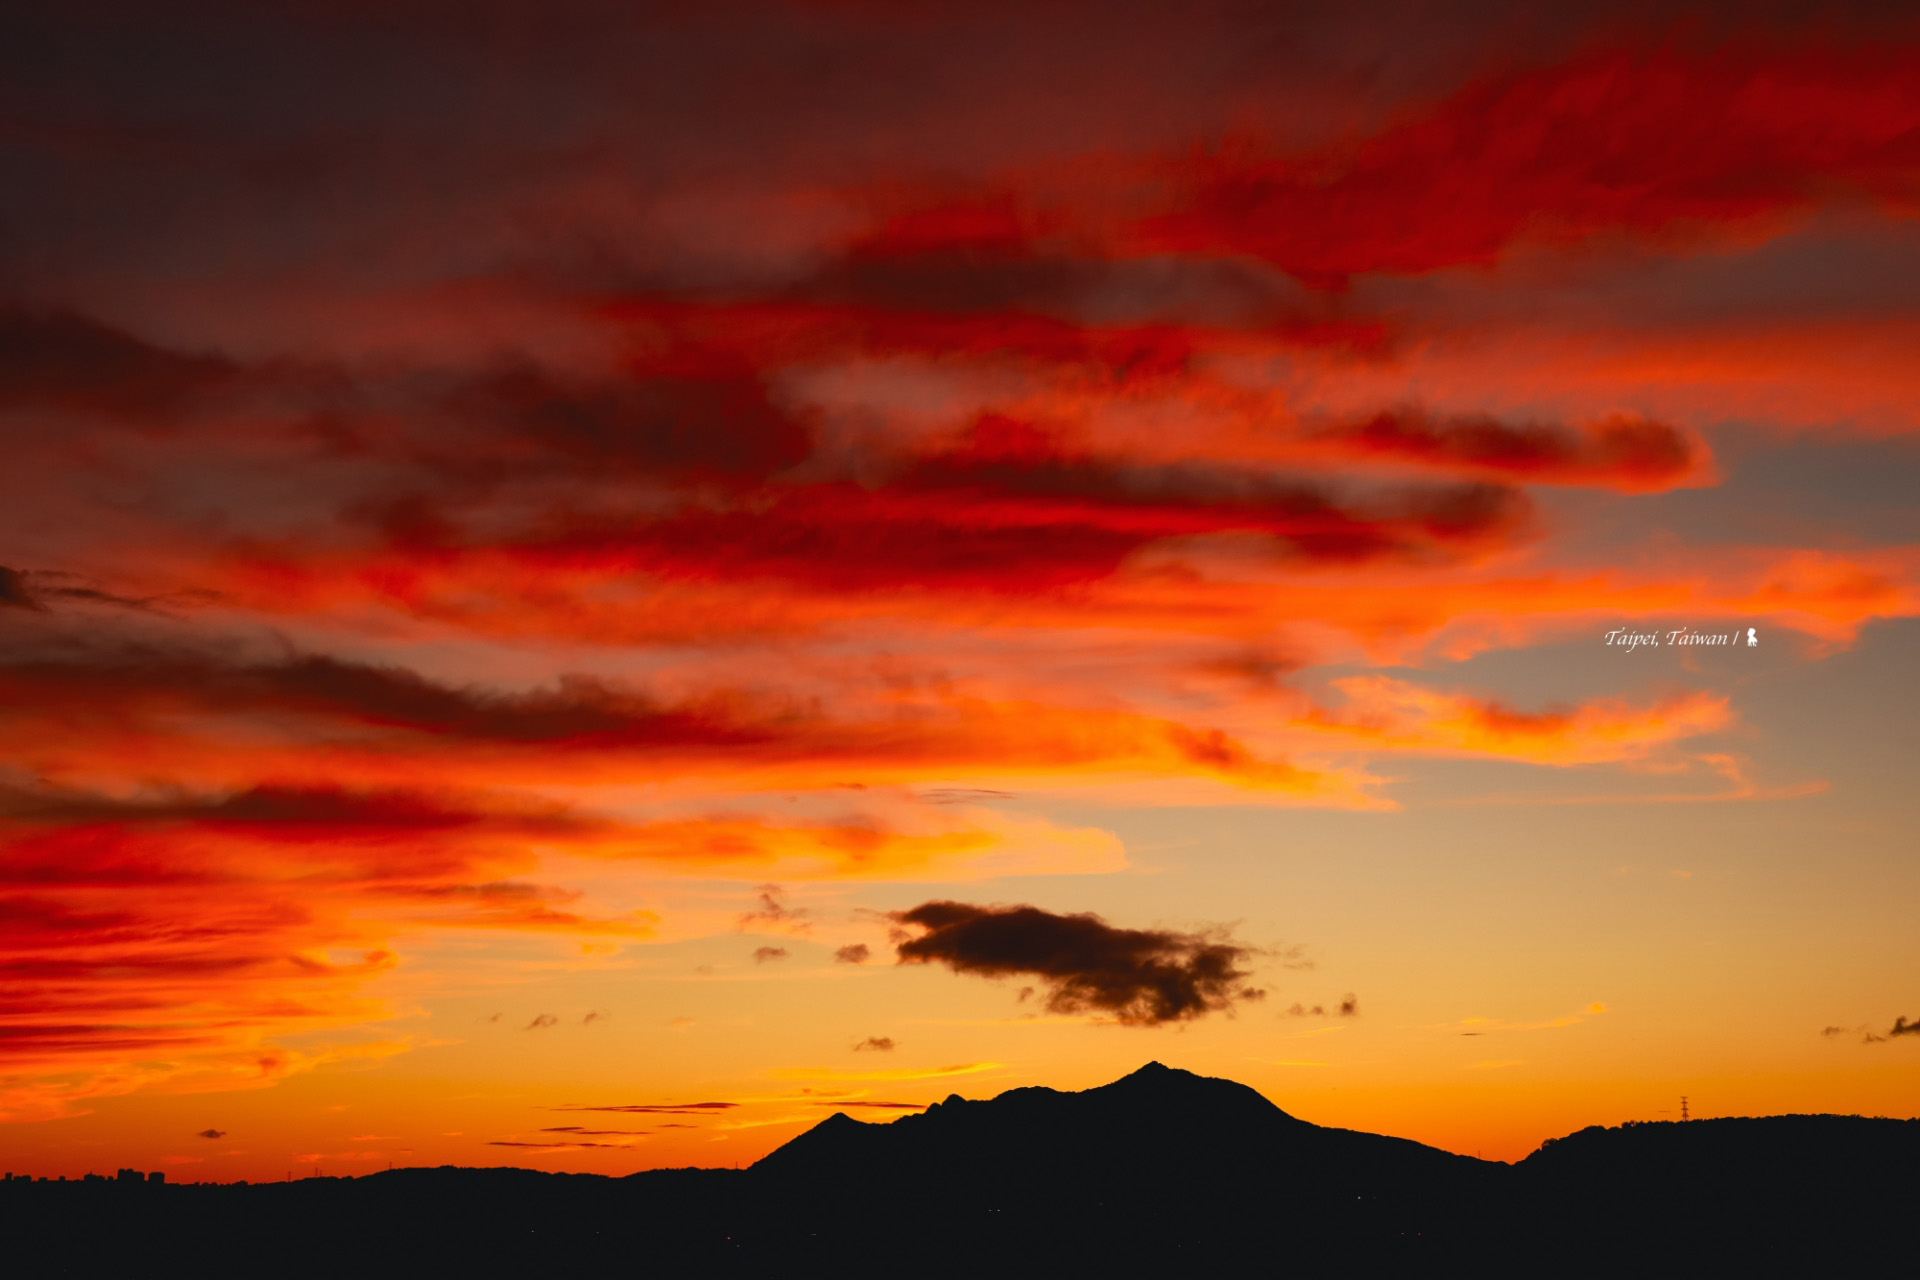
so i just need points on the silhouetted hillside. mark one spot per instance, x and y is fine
(1162, 1164)
(1799, 1193)
(1160, 1173)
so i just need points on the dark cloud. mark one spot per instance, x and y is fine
(558, 1146)
(289, 813)
(597, 1133)
(54, 359)
(132, 687)
(877, 1106)
(389, 697)
(1900, 1027)
(13, 591)
(1348, 1007)
(594, 1016)
(1624, 451)
(963, 795)
(38, 589)
(852, 953)
(763, 954)
(1293, 957)
(1142, 977)
(772, 911)
(1019, 525)
(541, 1021)
(211, 1133)
(720, 425)
(883, 1043)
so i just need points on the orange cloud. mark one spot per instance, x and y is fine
(1399, 716)
(986, 844)
(190, 933)
(894, 1074)
(222, 719)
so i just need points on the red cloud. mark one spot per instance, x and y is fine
(1623, 140)
(939, 419)
(1624, 451)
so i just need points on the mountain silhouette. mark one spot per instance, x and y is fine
(1162, 1172)
(1159, 1164)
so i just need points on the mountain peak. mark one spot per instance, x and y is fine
(1156, 1070)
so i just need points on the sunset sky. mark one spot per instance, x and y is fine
(582, 585)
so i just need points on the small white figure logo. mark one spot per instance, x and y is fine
(1752, 639)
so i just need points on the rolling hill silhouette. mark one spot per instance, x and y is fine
(1162, 1172)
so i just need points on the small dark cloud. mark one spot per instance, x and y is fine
(654, 1108)
(1143, 977)
(1901, 1027)
(541, 1021)
(597, 1133)
(58, 360)
(877, 1106)
(1293, 957)
(1870, 1038)
(37, 589)
(883, 1043)
(594, 1016)
(775, 913)
(1617, 449)
(854, 953)
(211, 1134)
(1834, 1031)
(699, 427)
(13, 591)
(963, 795)
(1349, 1005)
(763, 954)
(1260, 671)
(557, 1146)
(492, 1017)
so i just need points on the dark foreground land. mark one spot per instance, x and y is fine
(1160, 1173)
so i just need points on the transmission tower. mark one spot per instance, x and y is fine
(1683, 1108)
